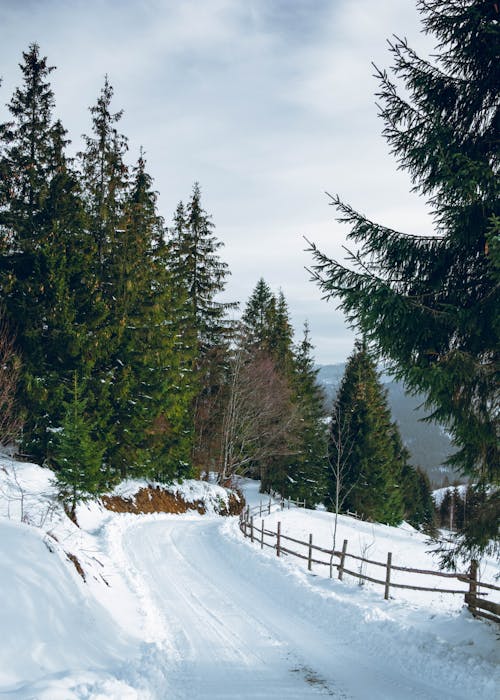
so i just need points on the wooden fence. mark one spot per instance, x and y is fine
(279, 542)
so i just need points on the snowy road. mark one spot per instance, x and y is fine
(235, 624)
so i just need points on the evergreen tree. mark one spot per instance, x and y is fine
(298, 469)
(197, 267)
(419, 508)
(362, 440)
(104, 177)
(151, 395)
(430, 303)
(200, 276)
(281, 336)
(76, 454)
(267, 325)
(43, 252)
(257, 317)
(307, 471)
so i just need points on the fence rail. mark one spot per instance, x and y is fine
(473, 596)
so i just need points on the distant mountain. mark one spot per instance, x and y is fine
(428, 443)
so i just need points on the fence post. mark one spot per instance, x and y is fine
(309, 558)
(470, 598)
(262, 535)
(260, 509)
(251, 528)
(388, 575)
(289, 503)
(342, 560)
(278, 537)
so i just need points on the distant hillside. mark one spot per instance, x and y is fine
(428, 443)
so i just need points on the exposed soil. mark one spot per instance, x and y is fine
(156, 500)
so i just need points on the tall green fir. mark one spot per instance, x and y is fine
(200, 276)
(43, 251)
(151, 392)
(105, 183)
(307, 471)
(365, 467)
(429, 303)
(77, 456)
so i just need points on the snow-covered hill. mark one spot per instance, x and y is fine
(182, 606)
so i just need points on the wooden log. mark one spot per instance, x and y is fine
(487, 616)
(480, 584)
(388, 576)
(342, 560)
(488, 605)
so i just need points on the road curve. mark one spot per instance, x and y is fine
(236, 626)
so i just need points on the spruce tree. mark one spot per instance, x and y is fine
(196, 265)
(307, 471)
(430, 303)
(200, 275)
(257, 316)
(76, 454)
(104, 177)
(363, 447)
(43, 252)
(151, 394)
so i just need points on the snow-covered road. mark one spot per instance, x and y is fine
(236, 624)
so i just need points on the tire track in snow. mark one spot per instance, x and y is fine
(241, 626)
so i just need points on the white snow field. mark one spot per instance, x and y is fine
(183, 607)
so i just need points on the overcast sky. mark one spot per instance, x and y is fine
(267, 103)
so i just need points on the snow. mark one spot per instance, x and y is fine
(409, 548)
(439, 494)
(182, 606)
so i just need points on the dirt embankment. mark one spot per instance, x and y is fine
(155, 500)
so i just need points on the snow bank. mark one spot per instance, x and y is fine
(58, 641)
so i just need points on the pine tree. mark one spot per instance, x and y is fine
(43, 251)
(281, 336)
(104, 177)
(197, 267)
(298, 468)
(307, 471)
(200, 276)
(430, 303)
(267, 325)
(419, 508)
(151, 395)
(257, 316)
(364, 464)
(76, 454)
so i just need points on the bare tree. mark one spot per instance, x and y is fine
(260, 421)
(10, 365)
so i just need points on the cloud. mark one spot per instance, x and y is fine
(267, 103)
